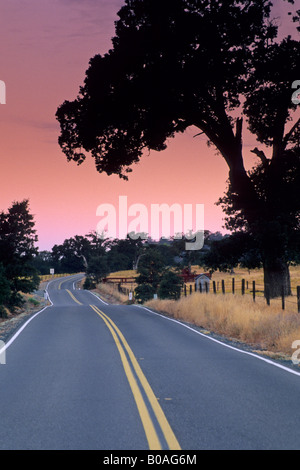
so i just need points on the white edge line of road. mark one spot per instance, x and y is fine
(99, 298)
(19, 331)
(268, 361)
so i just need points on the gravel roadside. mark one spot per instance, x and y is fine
(8, 326)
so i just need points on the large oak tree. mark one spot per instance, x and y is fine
(212, 64)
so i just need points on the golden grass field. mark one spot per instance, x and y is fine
(268, 329)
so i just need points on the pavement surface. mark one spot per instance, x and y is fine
(85, 375)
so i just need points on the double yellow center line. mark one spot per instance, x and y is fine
(157, 429)
(73, 297)
(155, 424)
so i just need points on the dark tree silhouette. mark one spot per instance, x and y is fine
(207, 63)
(170, 286)
(75, 253)
(17, 251)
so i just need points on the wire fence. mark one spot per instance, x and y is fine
(254, 289)
(244, 288)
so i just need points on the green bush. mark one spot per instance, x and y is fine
(89, 284)
(170, 286)
(144, 292)
(3, 312)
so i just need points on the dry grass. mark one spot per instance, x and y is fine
(49, 277)
(32, 303)
(128, 273)
(238, 318)
(110, 293)
(249, 276)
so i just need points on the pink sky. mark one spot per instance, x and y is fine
(45, 49)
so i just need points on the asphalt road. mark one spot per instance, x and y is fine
(86, 375)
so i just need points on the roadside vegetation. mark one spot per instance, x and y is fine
(266, 329)
(110, 293)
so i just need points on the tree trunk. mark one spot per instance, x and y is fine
(245, 198)
(276, 278)
(135, 263)
(85, 263)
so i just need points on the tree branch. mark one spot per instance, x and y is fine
(261, 155)
(200, 133)
(289, 134)
(238, 131)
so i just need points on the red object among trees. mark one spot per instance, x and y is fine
(190, 277)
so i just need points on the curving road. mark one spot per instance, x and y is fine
(83, 374)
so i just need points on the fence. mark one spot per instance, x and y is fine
(123, 290)
(244, 288)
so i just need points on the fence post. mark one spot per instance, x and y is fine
(267, 294)
(253, 290)
(206, 287)
(200, 287)
(191, 289)
(282, 298)
(223, 286)
(233, 285)
(214, 287)
(298, 298)
(243, 286)
(185, 290)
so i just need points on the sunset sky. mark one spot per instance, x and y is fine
(45, 49)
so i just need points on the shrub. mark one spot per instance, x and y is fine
(3, 312)
(33, 301)
(89, 284)
(170, 286)
(144, 292)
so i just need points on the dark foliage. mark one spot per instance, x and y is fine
(17, 250)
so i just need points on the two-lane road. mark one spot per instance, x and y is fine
(83, 374)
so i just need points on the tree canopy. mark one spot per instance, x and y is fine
(173, 64)
(212, 64)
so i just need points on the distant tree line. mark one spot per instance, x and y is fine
(158, 263)
(83, 253)
(100, 256)
(22, 264)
